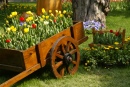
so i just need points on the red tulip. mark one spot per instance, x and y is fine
(7, 40)
(22, 19)
(34, 25)
(54, 20)
(117, 33)
(111, 31)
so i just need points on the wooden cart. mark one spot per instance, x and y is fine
(60, 51)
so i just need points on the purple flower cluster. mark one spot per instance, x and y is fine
(93, 24)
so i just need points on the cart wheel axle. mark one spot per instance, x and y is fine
(67, 59)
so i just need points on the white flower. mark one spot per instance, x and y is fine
(46, 22)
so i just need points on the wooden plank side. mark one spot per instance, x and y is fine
(78, 32)
(30, 57)
(45, 46)
(11, 58)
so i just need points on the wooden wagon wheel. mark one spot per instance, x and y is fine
(65, 56)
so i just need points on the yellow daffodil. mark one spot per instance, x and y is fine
(26, 30)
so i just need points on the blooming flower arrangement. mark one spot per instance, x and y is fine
(93, 24)
(22, 31)
(108, 37)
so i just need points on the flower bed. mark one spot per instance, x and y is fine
(106, 56)
(22, 31)
(108, 37)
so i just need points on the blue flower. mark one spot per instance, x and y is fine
(93, 24)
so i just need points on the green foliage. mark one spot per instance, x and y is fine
(68, 7)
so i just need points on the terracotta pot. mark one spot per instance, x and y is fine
(48, 5)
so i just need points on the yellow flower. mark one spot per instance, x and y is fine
(8, 29)
(50, 11)
(47, 17)
(43, 16)
(116, 48)
(61, 15)
(43, 10)
(7, 21)
(116, 43)
(52, 14)
(29, 13)
(14, 13)
(64, 11)
(59, 12)
(24, 24)
(41, 19)
(10, 16)
(13, 28)
(56, 11)
(126, 40)
(29, 19)
(26, 30)
(106, 48)
(110, 46)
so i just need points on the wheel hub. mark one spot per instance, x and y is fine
(67, 59)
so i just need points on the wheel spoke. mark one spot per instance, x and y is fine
(74, 62)
(59, 56)
(58, 64)
(68, 46)
(62, 71)
(63, 48)
(73, 51)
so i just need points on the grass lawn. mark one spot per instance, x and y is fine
(100, 77)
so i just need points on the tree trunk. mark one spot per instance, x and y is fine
(84, 10)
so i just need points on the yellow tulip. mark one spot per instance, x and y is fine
(50, 11)
(26, 30)
(64, 11)
(43, 10)
(47, 17)
(14, 13)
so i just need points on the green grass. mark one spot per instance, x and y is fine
(100, 77)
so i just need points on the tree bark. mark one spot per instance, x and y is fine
(84, 10)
